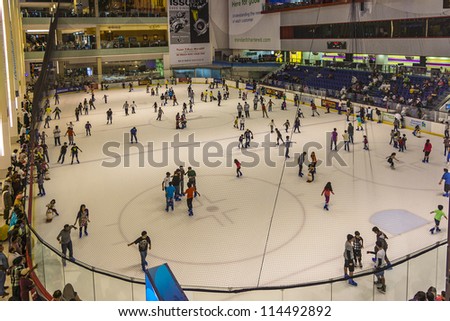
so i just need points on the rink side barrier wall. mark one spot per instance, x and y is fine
(429, 127)
(414, 272)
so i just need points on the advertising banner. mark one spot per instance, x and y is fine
(423, 124)
(388, 117)
(329, 103)
(249, 29)
(189, 32)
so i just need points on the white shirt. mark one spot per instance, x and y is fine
(166, 181)
(380, 258)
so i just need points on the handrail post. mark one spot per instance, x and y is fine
(447, 270)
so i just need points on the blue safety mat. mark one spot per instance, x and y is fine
(397, 221)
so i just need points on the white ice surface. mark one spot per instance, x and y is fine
(266, 228)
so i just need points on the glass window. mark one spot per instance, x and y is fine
(439, 27)
(324, 31)
(343, 30)
(304, 32)
(409, 28)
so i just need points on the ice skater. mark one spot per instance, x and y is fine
(264, 110)
(70, 133)
(74, 153)
(359, 123)
(144, 243)
(247, 110)
(242, 123)
(248, 138)
(66, 242)
(272, 125)
(109, 115)
(382, 237)
(346, 139)
(91, 104)
(83, 220)
(57, 112)
(51, 210)
(314, 109)
(300, 162)
(380, 258)
(241, 141)
(279, 136)
(438, 215)
(125, 107)
(287, 144)
(349, 263)
(446, 178)
(236, 122)
(286, 125)
(191, 190)
(297, 124)
(327, 191)
(390, 160)
(160, 113)
(170, 194)
(62, 153)
(238, 168)
(88, 127)
(133, 107)
(311, 172)
(351, 131)
(427, 150)
(358, 245)
(334, 136)
(366, 143)
(133, 133)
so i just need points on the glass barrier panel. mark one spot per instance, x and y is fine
(441, 266)
(422, 273)
(37, 251)
(138, 292)
(53, 271)
(274, 295)
(396, 281)
(310, 293)
(82, 280)
(343, 291)
(108, 288)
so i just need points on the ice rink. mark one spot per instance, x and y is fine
(266, 228)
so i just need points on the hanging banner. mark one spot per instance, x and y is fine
(189, 32)
(249, 29)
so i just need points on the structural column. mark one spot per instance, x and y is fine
(6, 97)
(98, 40)
(96, 12)
(99, 70)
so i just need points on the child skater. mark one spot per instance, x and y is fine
(190, 197)
(358, 244)
(327, 191)
(238, 168)
(391, 158)
(366, 143)
(438, 214)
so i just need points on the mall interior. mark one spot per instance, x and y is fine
(391, 55)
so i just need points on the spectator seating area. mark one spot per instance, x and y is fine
(374, 88)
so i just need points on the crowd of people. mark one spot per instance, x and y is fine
(399, 90)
